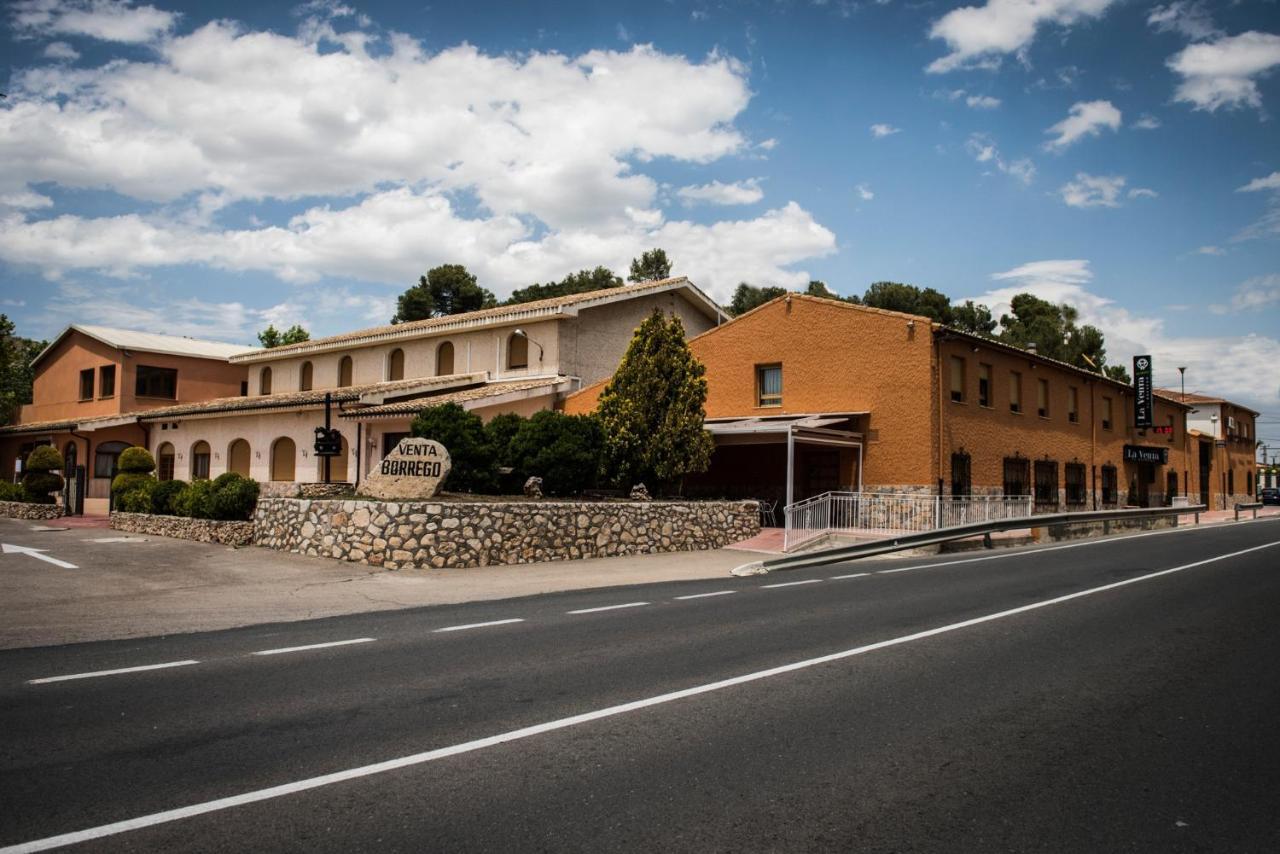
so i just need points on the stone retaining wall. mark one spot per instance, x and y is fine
(26, 510)
(200, 530)
(397, 535)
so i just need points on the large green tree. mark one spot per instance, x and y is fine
(895, 296)
(447, 289)
(16, 374)
(580, 282)
(747, 297)
(1054, 329)
(652, 410)
(272, 337)
(650, 266)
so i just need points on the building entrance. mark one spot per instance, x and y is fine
(1206, 455)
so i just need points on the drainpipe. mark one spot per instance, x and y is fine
(1093, 441)
(937, 361)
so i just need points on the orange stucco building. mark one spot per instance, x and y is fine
(859, 398)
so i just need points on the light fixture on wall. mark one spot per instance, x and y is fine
(525, 336)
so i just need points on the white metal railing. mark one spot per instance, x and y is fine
(875, 514)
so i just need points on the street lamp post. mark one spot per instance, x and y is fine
(1186, 442)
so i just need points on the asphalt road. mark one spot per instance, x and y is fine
(1115, 695)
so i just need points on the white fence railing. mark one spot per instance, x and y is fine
(875, 514)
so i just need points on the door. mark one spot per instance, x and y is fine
(1204, 473)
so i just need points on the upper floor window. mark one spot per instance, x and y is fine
(1073, 404)
(156, 382)
(961, 475)
(1042, 398)
(344, 372)
(984, 385)
(107, 381)
(1015, 391)
(444, 359)
(86, 384)
(769, 385)
(264, 381)
(305, 377)
(395, 365)
(1106, 413)
(957, 379)
(517, 352)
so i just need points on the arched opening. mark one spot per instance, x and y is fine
(164, 461)
(200, 455)
(344, 372)
(395, 365)
(337, 465)
(304, 377)
(283, 454)
(69, 460)
(238, 457)
(517, 352)
(264, 381)
(444, 359)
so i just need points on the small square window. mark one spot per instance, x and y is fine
(769, 385)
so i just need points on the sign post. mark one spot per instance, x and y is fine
(328, 440)
(1143, 396)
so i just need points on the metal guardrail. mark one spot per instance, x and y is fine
(824, 557)
(1255, 507)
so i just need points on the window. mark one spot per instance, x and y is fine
(264, 381)
(156, 382)
(1073, 404)
(86, 384)
(395, 365)
(164, 461)
(305, 376)
(1015, 391)
(984, 385)
(1017, 471)
(961, 476)
(1042, 398)
(244, 388)
(444, 359)
(1109, 496)
(957, 379)
(1074, 474)
(1106, 413)
(106, 457)
(1046, 484)
(107, 381)
(769, 385)
(344, 374)
(1170, 487)
(1248, 482)
(238, 457)
(283, 453)
(517, 352)
(200, 461)
(1231, 481)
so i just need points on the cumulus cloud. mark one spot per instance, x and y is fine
(980, 36)
(1086, 118)
(1190, 19)
(1092, 191)
(984, 150)
(1221, 73)
(982, 102)
(61, 51)
(106, 20)
(716, 193)
(882, 130)
(1147, 122)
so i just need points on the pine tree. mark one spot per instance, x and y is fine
(652, 410)
(650, 266)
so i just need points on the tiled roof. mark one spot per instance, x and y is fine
(1192, 398)
(61, 425)
(503, 313)
(462, 396)
(151, 342)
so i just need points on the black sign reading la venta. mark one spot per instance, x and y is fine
(1146, 454)
(1143, 400)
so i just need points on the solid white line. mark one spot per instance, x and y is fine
(115, 672)
(792, 583)
(608, 608)
(481, 625)
(285, 649)
(565, 723)
(705, 595)
(855, 575)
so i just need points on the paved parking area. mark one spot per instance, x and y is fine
(87, 584)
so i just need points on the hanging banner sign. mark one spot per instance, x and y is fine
(1143, 393)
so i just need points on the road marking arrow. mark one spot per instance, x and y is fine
(35, 553)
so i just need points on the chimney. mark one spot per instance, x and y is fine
(1031, 348)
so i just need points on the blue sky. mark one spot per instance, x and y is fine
(207, 169)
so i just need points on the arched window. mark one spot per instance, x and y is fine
(444, 359)
(395, 365)
(337, 465)
(164, 461)
(283, 456)
(238, 457)
(304, 377)
(264, 381)
(200, 455)
(344, 372)
(105, 457)
(517, 352)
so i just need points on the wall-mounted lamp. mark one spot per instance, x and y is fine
(911, 324)
(525, 336)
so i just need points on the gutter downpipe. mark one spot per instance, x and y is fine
(937, 361)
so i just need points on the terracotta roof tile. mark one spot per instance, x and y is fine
(466, 395)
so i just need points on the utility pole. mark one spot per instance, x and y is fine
(1186, 447)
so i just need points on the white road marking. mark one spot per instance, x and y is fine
(481, 625)
(705, 595)
(793, 583)
(118, 540)
(35, 553)
(854, 575)
(95, 673)
(608, 608)
(285, 649)
(258, 795)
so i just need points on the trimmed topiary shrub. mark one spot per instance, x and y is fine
(40, 479)
(564, 450)
(163, 495)
(474, 468)
(195, 501)
(233, 498)
(138, 501)
(136, 461)
(133, 472)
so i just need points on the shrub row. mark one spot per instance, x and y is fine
(135, 489)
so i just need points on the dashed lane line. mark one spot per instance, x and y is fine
(480, 625)
(284, 649)
(854, 575)
(705, 595)
(791, 583)
(608, 608)
(119, 670)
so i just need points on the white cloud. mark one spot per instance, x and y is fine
(1147, 122)
(1092, 191)
(767, 145)
(1228, 365)
(25, 200)
(1143, 193)
(864, 192)
(1189, 19)
(1251, 295)
(979, 36)
(1267, 182)
(982, 102)
(716, 193)
(984, 150)
(1269, 224)
(1086, 118)
(61, 50)
(880, 131)
(106, 20)
(1211, 250)
(1221, 73)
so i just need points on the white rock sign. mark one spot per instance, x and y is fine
(415, 469)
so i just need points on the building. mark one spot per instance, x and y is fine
(1222, 442)
(92, 382)
(808, 395)
(520, 358)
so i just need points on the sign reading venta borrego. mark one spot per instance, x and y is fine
(415, 469)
